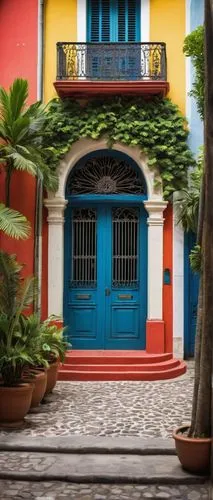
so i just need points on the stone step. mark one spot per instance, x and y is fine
(94, 468)
(88, 444)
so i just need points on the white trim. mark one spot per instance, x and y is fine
(56, 204)
(178, 285)
(145, 20)
(55, 220)
(155, 258)
(81, 21)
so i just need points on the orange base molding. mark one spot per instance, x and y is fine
(155, 337)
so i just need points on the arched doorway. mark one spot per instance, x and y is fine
(105, 257)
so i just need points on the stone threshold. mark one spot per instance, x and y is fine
(87, 444)
(95, 468)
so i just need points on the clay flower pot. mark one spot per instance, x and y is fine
(39, 381)
(194, 453)
(52, 374)
(14, 404)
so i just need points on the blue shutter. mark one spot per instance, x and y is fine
(114, 20)
(128, 20)
(94, 21)
(99, 13)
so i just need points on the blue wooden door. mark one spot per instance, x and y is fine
(116, 21)
(105, 277)
(191, 280)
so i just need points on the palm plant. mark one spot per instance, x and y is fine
(54, 344)
(21, 136)
(16, 295)
(13, 224)
(187, 201)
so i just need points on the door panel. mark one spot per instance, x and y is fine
(123, 305)
(191, 298)
(105, 302)
(82, 311)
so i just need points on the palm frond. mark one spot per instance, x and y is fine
(9, 283)
(25, 294)
(22, 163)
(5, 110)
(18, 94)
(13, 223)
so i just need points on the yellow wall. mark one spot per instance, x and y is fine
(60, 26)
(167, 24)
(167, 21)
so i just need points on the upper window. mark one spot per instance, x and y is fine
(113, 21)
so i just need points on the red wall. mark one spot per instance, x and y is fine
(18, 58)
(18, 47)
(168, 289)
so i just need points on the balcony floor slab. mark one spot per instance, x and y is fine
(93, 88)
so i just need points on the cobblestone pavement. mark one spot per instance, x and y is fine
(65, 491)
(145, 409)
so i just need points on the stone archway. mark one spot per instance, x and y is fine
(155, 206)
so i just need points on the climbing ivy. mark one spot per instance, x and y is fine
(156, 126)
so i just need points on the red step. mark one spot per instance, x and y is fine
(114, 357)
(69, 375)
(171, 363)
(119, 365)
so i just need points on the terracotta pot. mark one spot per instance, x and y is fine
(14, 404)
(52, 374)
(194, 453)
(39, 381)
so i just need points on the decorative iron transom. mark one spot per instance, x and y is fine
(105, 175)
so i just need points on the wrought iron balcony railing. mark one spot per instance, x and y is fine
(111, 61)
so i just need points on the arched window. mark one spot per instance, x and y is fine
(106, 172)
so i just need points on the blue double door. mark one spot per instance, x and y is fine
(191, 291)
(105, 276)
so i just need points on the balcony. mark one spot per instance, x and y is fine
(95, 69)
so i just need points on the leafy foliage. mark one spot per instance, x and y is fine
(196, 259)
(16, 295)
(187, 201)
(54, 344)
(194, 48)
(21, 136)
(13, 224)
(156, 126)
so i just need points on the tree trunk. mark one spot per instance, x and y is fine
(197, 359)
(201, 414)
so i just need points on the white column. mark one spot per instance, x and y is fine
(81, 21)
(145, 20)
(155, 258)
(55, 220)
(178, 286)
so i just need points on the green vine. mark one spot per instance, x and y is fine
(156, 126)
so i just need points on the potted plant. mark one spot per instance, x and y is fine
(54, 346)
(36, 372)
(193, 442)
(15, 295)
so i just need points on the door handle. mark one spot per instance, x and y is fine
(107, 292)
